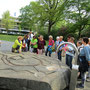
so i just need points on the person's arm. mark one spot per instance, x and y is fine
(86, 50)
(53, 44)
(65, 48)
(20, 44)
(89, 63)
(35, 42)
(31, 42)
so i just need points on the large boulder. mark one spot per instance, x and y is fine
(27, 71)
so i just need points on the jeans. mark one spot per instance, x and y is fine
(34, 50)
(69, 60)
(48, 50)
(59, 55)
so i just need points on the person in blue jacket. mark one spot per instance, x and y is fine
(84, 61)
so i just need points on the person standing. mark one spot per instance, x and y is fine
(34, 44)
(70, 52)
(50, 45)
(25, 42)
(89, 65)
(41, 44)
(30, 36)
(84, 61)
(60, 49)
(79, 47)
(56, 42)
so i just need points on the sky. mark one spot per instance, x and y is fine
(13, 6)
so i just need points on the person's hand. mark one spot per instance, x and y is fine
(20, 51)
(66, 48)
(23, 46)
(63, 48)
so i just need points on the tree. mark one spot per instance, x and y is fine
(78, 12)
(7, 21)
(54, 11)
(43, 13)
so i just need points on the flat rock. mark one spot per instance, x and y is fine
(28, 71)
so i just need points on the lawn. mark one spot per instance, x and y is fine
(11, 38)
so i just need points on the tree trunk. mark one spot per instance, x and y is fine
(80, 29)
(79, 33)
(49, 27)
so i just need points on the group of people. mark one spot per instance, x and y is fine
(29, 43)
(83, 46)
(36, 45)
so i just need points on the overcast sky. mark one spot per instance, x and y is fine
(13, 6)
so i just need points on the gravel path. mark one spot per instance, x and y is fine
(6, 46)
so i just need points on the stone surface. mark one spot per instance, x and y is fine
(6, 46)
(73, 79)
(27, 71)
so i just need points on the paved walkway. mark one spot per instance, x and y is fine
(6, 46)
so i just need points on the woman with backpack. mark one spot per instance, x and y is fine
(50, 46)
(84, 61)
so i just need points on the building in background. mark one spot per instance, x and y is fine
(16, 28)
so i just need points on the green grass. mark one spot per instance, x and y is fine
(11, 38)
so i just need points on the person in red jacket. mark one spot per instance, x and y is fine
(50, 45)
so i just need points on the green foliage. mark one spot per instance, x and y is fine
(54, 33)
(7, 21)
(86, 32)
(42, 13)
(57, 17)
(78, 13)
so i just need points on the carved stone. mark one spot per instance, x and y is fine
(27, 71)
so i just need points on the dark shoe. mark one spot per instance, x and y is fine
(49, 55)
(80, 85)
(45, 54)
